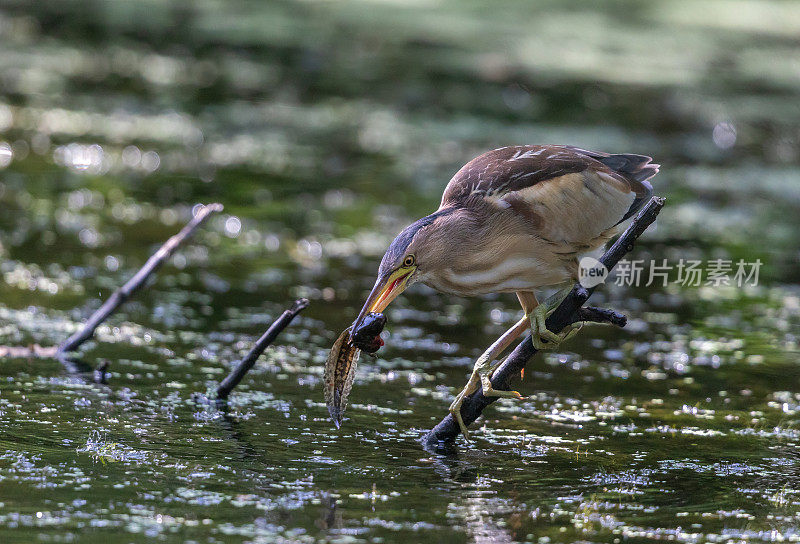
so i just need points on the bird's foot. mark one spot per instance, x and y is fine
(481, 374)
(455, 407)
(489, 391)
(542, 337)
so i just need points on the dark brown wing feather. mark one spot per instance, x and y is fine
(636, 169)
(515, 168)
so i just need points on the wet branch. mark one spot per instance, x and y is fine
(121, 295)
(569, 311)
(236, 375)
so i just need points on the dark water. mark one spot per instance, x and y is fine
(323, 128)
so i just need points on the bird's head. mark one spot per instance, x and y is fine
(420, 247)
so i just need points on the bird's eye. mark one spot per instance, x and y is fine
(409, 261)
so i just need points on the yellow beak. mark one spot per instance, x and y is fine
(385, 291)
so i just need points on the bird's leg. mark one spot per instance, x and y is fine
(482, 371)
(542, 337)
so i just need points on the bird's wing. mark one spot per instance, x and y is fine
(565, 193)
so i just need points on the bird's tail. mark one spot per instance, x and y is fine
(635, 167)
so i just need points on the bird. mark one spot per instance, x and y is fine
(514, 220)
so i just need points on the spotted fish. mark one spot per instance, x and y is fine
(340, 368)
(340, 371)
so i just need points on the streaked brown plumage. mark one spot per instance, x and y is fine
(512, 220)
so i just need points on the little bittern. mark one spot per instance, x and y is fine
(513, 220)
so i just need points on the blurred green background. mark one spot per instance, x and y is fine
(324, 127)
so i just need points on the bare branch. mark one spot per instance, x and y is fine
(121, 295)
(236, 375)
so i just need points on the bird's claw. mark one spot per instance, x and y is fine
(484, 378)
(489, 391)
(455, 410)
(542, 337)
(546, 339)
(455, 407)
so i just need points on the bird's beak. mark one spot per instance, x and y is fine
(386, 290)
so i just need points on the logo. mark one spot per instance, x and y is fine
(591, 272)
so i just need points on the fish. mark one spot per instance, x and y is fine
(340, 367)
(340, 371)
